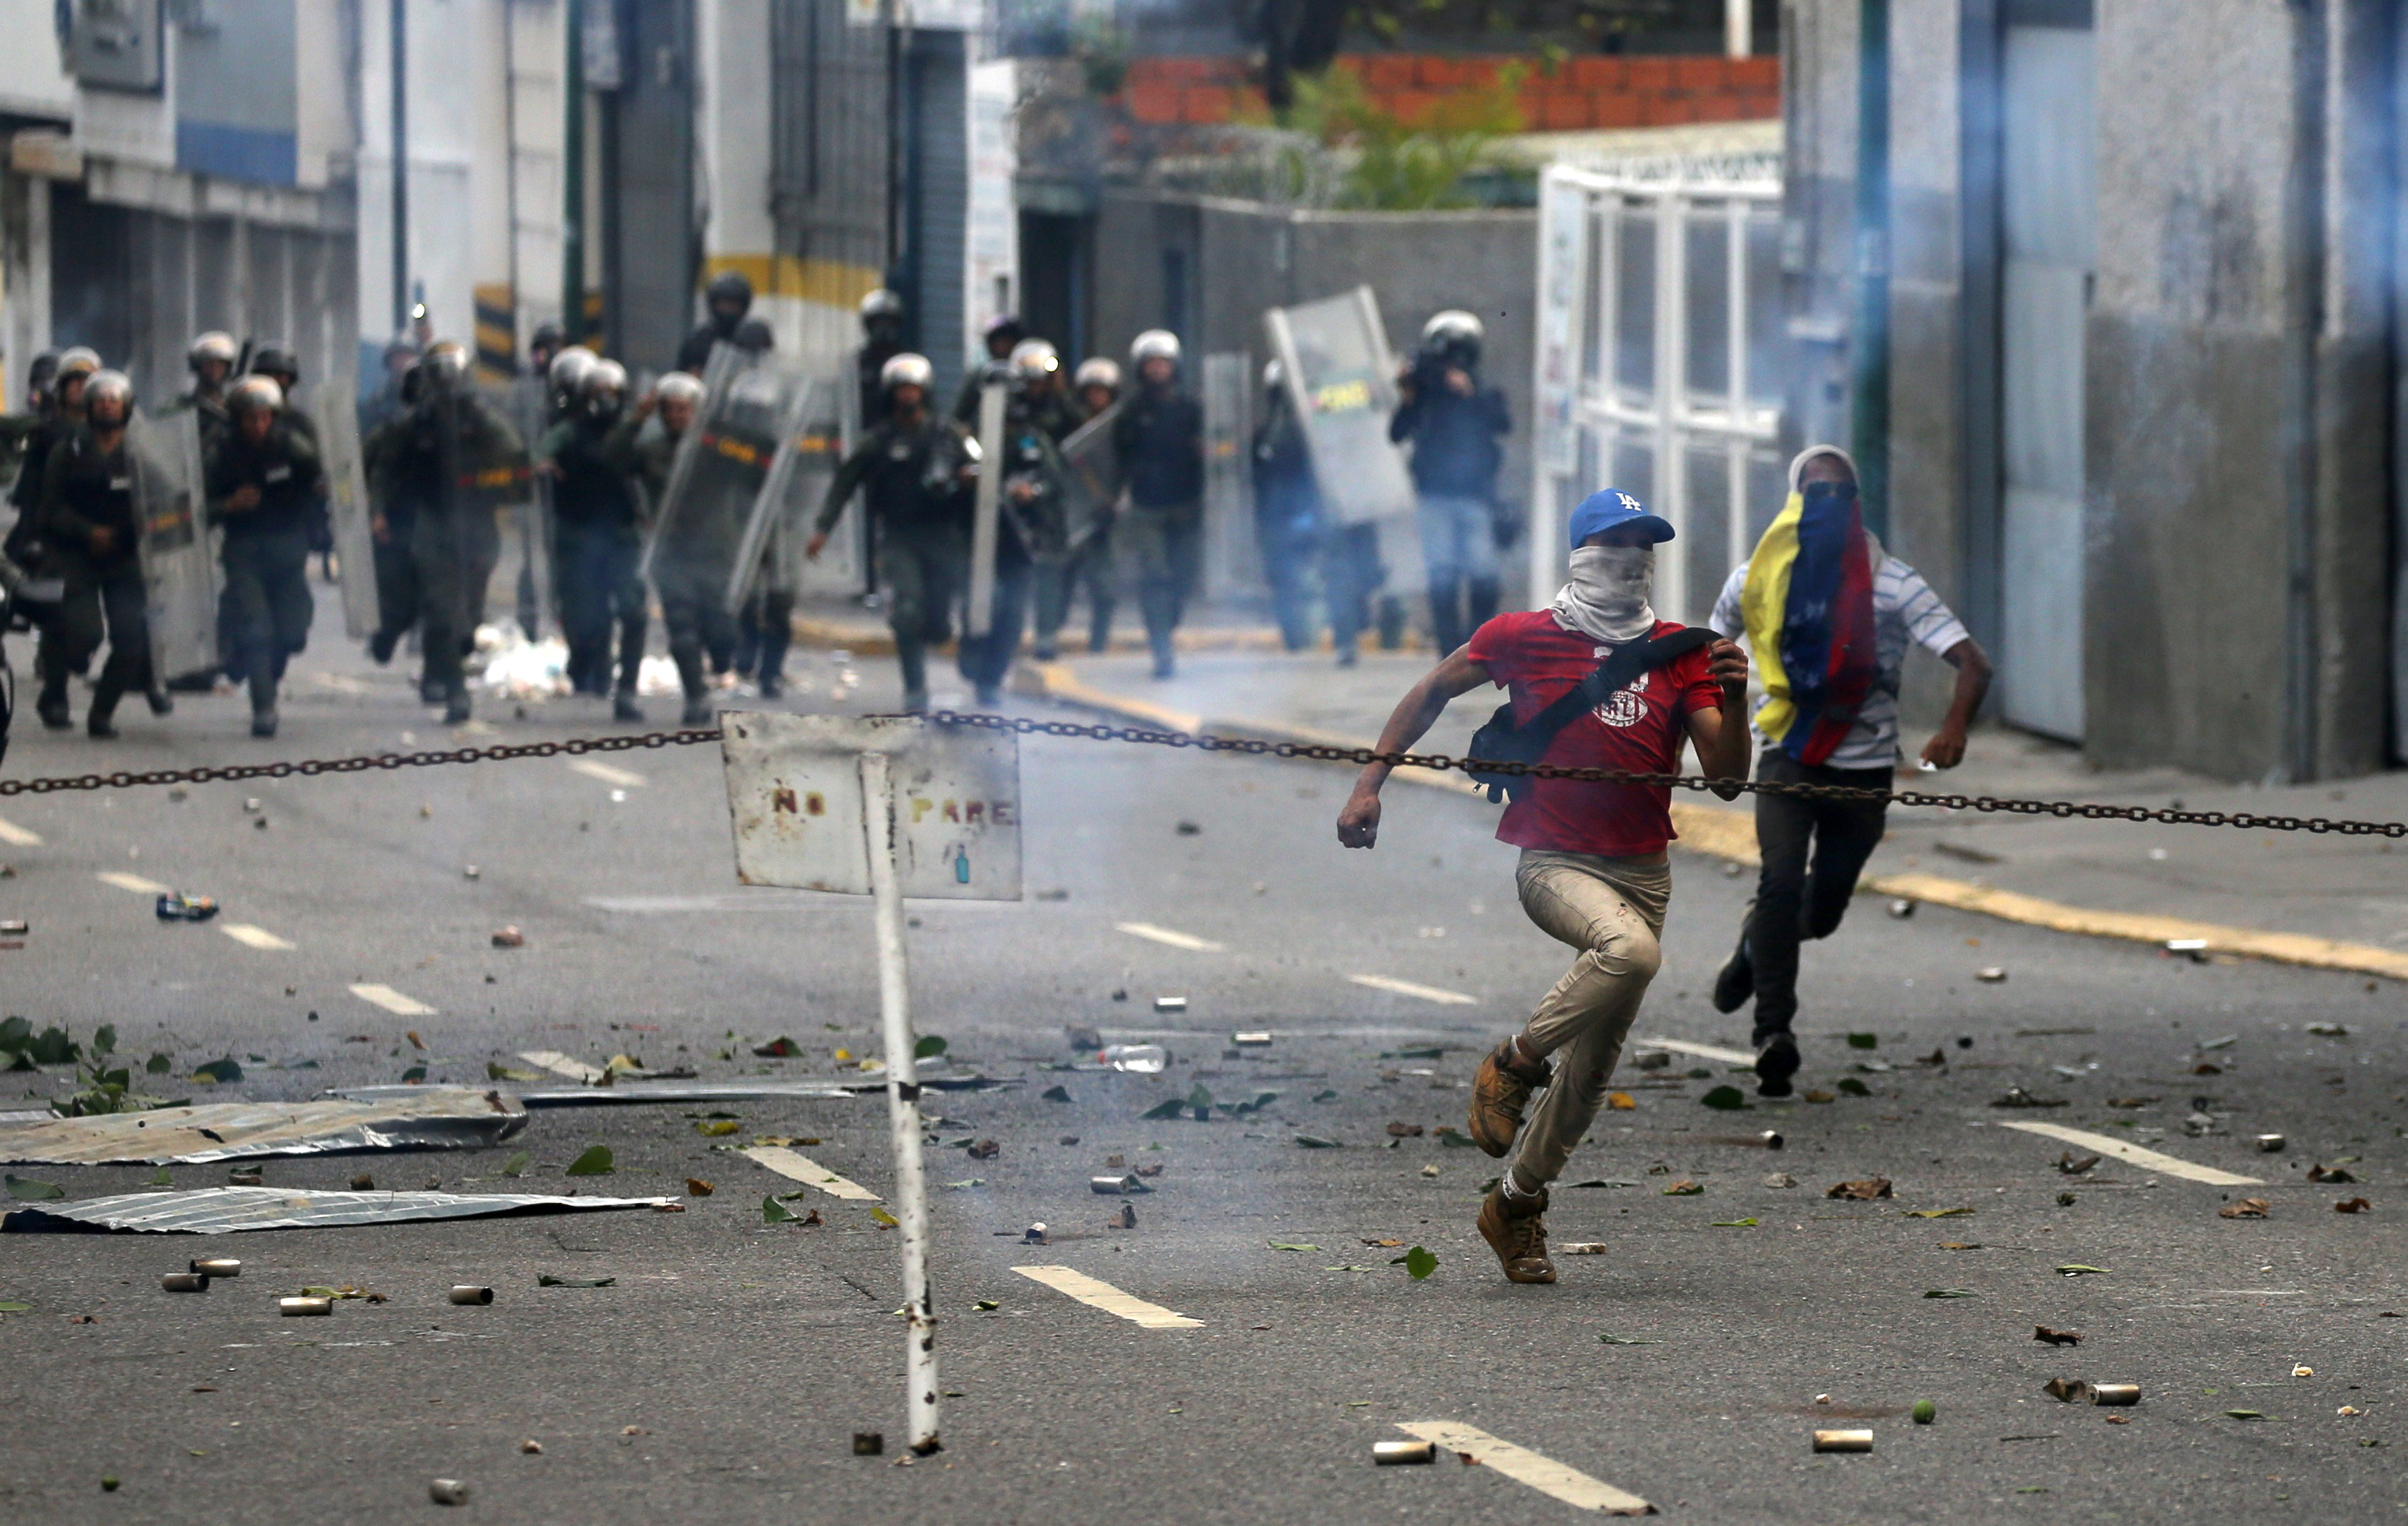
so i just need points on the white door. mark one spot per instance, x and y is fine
(2051, 234)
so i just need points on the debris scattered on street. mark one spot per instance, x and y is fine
(696, 1186)
(448, 1491)
(984, 1149)
(2195, 950)
(1781, 1179)
(2270, 1143)
(1901, 908)
(1652, 1060)
(415, 1118)
(216, 1266)
(176, 906)
(1950, 1292)
(2329, 1173)
(1843, 1441)
(2352, 1204)
(1125, 1218)
(1418, 1261)
(1937, 1213)
(292, 1306)
(1865, 1191)
(2243, 1415)
(2057, 1337)
(2248, 1208)
(2016, 1096)
(2071, 1164)
(1171, 1004)
(531, 1447)
(1390, 1454)
(1684, 1187)
(1771, 1139)
(2075, 1391)
(868, 1443)
(1250, 1041)
(1726, 1098)
(1036, 1234)
(2329, 1030)
(1429, 1171)
(1136, 1059)
(185, 1282)
(1124, 1186)
(1314, 1141)
(25, 1190)
(1584, 1248)
(1056, 1093)
(509, 937)
(1991, 976)
(466, 1294)
(222, 1210)
(1621, 1102)
(2077, 1269)
(595, 1162)
(545, 1280)
(1404, 1131)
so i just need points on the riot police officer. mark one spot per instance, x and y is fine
(881, 340)
(729, 297)
(914, 470)
(642, 446)
(1456, 423)
(1002, 335)
(698, 535)
(212, 357)
(88, 526)
(1287, 511)
(596, 540)
(1032, 534)
(1097, 384)
(453, 459)
(1160, 433)
(267, 486)
(29, 546)
(17, 429)
(1088, 563)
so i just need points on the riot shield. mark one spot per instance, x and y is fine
(180, 577)
(986, 506)
(346, 505)
(721, 464)
(485, 470)
(1091, 475)
(1335, 353)
(526, 403)
(807, 443)
(1233, 558)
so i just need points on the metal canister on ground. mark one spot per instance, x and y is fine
(217, 1267)
(1391, 1454)
(290, 1306)
(185, 1282)
(466, 1294)
(1843, 1441)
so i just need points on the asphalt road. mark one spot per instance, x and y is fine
(723, 1376)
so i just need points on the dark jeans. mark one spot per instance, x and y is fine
(1351, 571)
(397, 580)
(1288, 548)
(1091, 567)
(454, 553)
(1797, 899)
(268, 584)
(111, 600)
(594, 573)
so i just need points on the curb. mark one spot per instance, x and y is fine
(1730, 834)
(872, 638)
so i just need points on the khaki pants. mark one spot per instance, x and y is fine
(1613, 911)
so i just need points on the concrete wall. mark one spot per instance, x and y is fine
(2241, 352)
(1240, 258)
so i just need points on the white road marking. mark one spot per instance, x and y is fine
(1407, 988)
(22, 836)
(802, 1168)
(257, 937)
(1103, 1295)
(624, 778)
(2130, 1154)
(561, 1064)
(1525, 1466)
(1703, 1051)
(135, 883)
(393, 1000)
(1188, 941)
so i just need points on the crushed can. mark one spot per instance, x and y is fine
(176, 906)
(217, 1267)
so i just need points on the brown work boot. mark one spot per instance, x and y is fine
(1515, 1230)
(1498, 1089)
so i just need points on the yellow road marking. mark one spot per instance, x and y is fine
(802, 1168)
(1104, 1296)
(1525, 1466)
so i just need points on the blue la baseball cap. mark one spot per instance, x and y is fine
(1610, 509)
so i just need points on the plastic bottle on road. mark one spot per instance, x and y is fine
(1137, 1059)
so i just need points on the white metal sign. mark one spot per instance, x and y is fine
(794, 791)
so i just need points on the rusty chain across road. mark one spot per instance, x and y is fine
(1315, 751)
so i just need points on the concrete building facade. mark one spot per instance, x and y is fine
(2145, 293)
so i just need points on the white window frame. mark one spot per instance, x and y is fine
(1582, 417)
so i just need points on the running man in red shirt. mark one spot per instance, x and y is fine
(1593, 872)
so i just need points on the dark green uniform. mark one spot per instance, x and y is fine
(453, 461)
(88, 524)
(1030, 535)
(1160, 433)
(917, 500)
(267, 549)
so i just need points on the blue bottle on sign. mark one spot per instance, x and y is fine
(961, 867)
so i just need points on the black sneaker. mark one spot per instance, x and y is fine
(1776, 1061)
(1735, 984)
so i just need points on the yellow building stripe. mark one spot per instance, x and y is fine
(833, 282)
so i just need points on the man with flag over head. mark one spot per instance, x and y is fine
(1826, 615)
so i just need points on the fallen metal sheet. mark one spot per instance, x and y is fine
(396, 1118)
(223, 1210)
(658, 1092)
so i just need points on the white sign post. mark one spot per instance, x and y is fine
(882, 808)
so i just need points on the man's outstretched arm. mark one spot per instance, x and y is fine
(1358, 822)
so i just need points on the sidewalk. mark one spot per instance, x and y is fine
(2332, 903)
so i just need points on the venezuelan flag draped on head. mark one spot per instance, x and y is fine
(1808, 604)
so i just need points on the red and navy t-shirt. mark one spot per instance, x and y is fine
(1639, 729)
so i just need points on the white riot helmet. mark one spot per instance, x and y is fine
(881, 306)
(216, 344)
(1095, 371)
(1154, 344)
(447, 360)
(603, 388)
(106, 386)
(254, 392)
(678, 387)
(907, 370)
(1454, 334)
(569, 369)
(1034, 360)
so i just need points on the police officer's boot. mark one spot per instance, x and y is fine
(51, 705)
(262, 722)
(455, 706)
(913, 658)
(161, 703)
(100, 722)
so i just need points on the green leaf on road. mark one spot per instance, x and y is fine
(1199, 1097)
(518, 1162)
(2075, 1269)
(1937, 1213)
(986, 1304)
(160, 1064)
(883, 1217)
(16, 1308)
(593, 1162)
(715, 1127)
(1732, 1223)
(1282, 1244)
(2243, 1415)
(26, 1189)
(413, 1076)
(1327, 1094)
(1314, 1141)
(1625, 1340)
(929, 1046)
(1170, 1108)
(1864, 1041)
(1926, 1412)
(104, 1039)
(1726, 1099)
(219, 1072)
(495, 1071)
(774, 1212)
(1950, 1292)
(545, 1280)
(160, 1179)
(1056, 1093)
(1418, 1261)
(1851, 1087)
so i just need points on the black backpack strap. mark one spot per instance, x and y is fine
(1629, 662)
